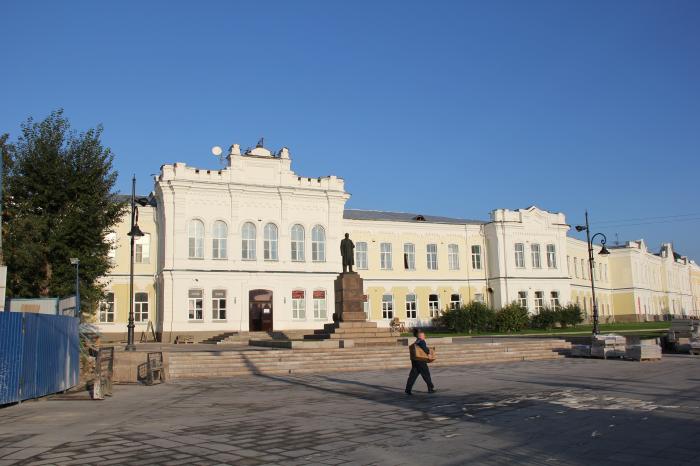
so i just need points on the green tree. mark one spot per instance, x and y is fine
(473, 317)
(512, 318)
(58, 204)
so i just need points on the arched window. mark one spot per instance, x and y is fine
(318, 244)
(248, 242)
(298, 243)
(218, 248)
(195, 232)
(270, 245)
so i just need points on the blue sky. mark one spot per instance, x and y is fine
(451, 108)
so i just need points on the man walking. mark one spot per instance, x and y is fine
(419, 367)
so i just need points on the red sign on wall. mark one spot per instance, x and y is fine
(319, 294)
(298, 294)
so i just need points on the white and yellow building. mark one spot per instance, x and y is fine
(255, 247)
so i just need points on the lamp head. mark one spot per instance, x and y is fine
(580, 228)
(135, 232)
(604, 251)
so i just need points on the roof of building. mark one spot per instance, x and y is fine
(141, 200)
(379, 215)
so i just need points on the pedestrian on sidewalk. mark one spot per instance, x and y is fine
(419, 367)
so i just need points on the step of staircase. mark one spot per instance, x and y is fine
(189, 365)
(218, 338)
(242, 338)
(361, 333)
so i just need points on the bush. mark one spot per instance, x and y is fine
(545, 319)
(569, 315)
(511, 318)
(473, 317)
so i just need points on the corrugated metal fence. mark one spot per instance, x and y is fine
(39, 355)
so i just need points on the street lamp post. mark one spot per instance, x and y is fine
(76, 262)
(591, 266)
(134, 232)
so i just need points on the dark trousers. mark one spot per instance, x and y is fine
(419, 367)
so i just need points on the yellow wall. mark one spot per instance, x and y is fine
(117, 281)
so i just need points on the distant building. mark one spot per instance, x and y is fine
(255, 247)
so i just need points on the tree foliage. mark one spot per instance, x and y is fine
(58, 204)
(473, 317)
(512, 318)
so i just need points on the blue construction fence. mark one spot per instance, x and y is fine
(39, 355)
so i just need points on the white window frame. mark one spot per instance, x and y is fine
(141, 307)
(411, 306)
(388, 306)
(522, 298)
(320, 305)
(270, 242)
(453, 256)
(219, 241)
(195, 235)
(142, 249)
(431, 256)
(479, 297)
(455, 304)
(107, 308)
(539, 301)
(219, 305)
(552, 256)
(519, 255)
(536, 256)
(555, 300)
(299, 305)
(434, 305)
(297, 243)
(192, 305)
(249, 234)
(318, 244)
(385, 256)
(476, 256)
(409, 256)
(361, 255)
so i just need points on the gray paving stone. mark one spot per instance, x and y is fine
(354, 418)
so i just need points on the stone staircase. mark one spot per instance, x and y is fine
(362, 333)
(212, 364)
(240, 339)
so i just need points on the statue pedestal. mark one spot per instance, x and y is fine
(349, 298)
(350, 324)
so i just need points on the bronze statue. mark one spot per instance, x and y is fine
(347, 251)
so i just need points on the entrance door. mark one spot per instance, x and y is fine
(260, 310)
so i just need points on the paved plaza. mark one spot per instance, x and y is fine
(571, 411)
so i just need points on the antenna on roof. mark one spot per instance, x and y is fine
(260, 142)
(217, 151)
(617, 239)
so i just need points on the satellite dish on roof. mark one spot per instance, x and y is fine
(217, 151)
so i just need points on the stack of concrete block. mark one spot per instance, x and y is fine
(608, 346)
(643, 352)
(581, 351)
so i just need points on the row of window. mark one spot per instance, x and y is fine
(386, 261)
(600, 272)
(142, 248)
(539, 300)
(219, 247)
(411, 304)
(535, 256)
(141, 308)
(195, 304)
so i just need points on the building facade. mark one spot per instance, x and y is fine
(255, 247)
